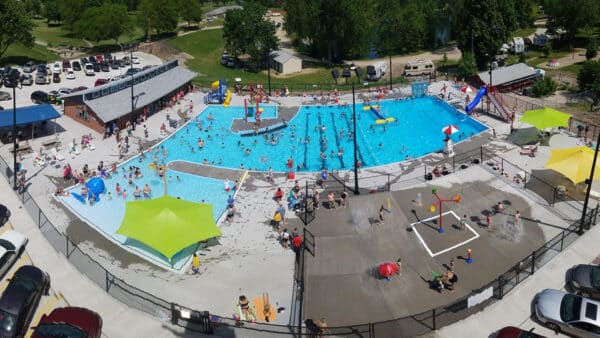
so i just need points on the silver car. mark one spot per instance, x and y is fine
(569, 313)
(12, 244)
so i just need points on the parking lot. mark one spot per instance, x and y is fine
(23, 94)
(53, 300)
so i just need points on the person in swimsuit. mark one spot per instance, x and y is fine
(247, 312)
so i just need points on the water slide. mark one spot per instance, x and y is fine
(227, 99)
(482, 91)
(378, 114)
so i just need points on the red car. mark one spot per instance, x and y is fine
(99, 59)
(69, 322)
(515, 332)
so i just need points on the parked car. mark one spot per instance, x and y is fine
(64, 91)
(66, 65)
(76, 66)
(99, 59)
(4, 214)
(78, 89)
(69, 322)
(56, 78)
(10, 79)
(39, 97)
(12, 245)
(29, 67)
(89, 69)
(41, 69)
(122, 63)
(108, 56)
(114, 64)
(147, 67)
(585, 280)
(97, 67)
(569, 313)
(40, 79)
(4, 96)
(135, 60)
(131, 71)
(56, 67)
(105, 67)
(126, 60)
(20, 300)
(515, 332)
(26, 79)
(92, 60)
(70, 75)
(84, 60)
(100, 82)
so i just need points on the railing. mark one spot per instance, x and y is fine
(418, 324)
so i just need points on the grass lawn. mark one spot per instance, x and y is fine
(207, 47)
(17, 54)
(525, 32)
(574, 68)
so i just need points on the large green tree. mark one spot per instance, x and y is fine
(161, 15)
(330, 28)
(588, 77)
(71, 10)
(572, 15)
(108, 21)
(246, 32)
(15, 25)
(191, 11)
(51, 11)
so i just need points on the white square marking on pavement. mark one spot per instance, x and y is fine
(432, 254)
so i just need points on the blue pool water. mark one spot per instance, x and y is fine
(313, 138)
(317, 134)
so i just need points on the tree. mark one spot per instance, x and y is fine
(15, 25)
(547, 49)
(108, 21)
(191, 11)
(588, 77)
(467, 66)
(51, 11)
(544, 87)
(484, 31)
(247, 32)
(33, 7)
(592, 49)
(572, 15)
(161, 15)
(71, 10)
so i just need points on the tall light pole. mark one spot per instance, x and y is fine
(589, 188)
(356, 191)
(269, 69)
(390, 69)
(131, 60)
(14, 79)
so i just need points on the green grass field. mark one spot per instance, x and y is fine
(17, 54)
(525, 32)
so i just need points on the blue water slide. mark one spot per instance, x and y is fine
(377, 113)
(482, 91)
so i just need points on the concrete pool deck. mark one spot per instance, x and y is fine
(249, 258)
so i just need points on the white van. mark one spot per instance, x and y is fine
(421, 67)
(89, 69)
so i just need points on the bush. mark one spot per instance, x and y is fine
(547, 49)
(522, 58)
(544, 87)
(592, 50)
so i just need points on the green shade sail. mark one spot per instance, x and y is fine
(574, 163)
(167, 224)
(546, 118)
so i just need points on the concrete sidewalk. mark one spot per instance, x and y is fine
(119, 320)
(515, 308)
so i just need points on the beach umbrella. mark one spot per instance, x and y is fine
(466, 89)
(167, 224)
(574, 163)
(546, 118)
(449, 130)
(387, 269)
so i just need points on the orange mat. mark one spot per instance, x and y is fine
(259, 305)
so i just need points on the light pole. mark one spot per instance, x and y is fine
(390, 69)
(589, 188)
(15, 80)
(269, 69)
(131, 60)
(356, 191)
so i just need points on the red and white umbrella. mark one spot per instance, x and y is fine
(449, 130)
(466, 89)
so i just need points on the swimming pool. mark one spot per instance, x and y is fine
(319, 137)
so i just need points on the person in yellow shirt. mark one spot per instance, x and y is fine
(277, 220)
(195, 263)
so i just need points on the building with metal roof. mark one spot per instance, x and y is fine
(510, 78)
(285, 63)
(154, 88)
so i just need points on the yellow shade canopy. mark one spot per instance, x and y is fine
(574, 163)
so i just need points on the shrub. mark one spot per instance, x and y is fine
(544, 87)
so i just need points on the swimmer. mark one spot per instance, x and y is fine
(222, 144)
(205, 161)
(380, 145)
(147, 191)
(247, 151)
(178, 179)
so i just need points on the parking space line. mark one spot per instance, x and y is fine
(46, 310)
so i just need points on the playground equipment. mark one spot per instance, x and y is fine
(250, 111)
(471, 105)
(376, 110)
(439, 204)
(219, 94)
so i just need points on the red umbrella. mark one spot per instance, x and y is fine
(388, 269)
(466, 89)
(449, 130)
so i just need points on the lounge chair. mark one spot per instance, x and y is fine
(73, 149)
(528, 150)
(91, 146)
(57, 156)
(37, 159)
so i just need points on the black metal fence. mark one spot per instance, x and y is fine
(418, 324)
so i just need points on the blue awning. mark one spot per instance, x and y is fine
(29, 114)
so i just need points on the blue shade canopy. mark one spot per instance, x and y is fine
(29, 114)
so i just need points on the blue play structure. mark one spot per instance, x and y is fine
(482, 91)
(218, 92)
(377, 113)
(95, 186)
(419, 88)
